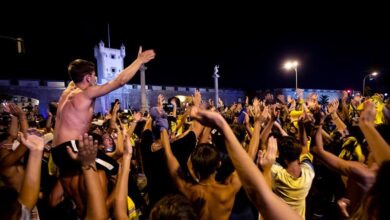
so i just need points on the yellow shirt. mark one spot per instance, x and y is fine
(379, 105)
(294, 116)
(293, 190)
(131, 209)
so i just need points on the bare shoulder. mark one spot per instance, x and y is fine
(234, 181)
(196, 191)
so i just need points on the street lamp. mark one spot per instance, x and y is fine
(293, 65)
(364, 79)
(19, 42)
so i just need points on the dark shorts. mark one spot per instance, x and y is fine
(69, 166)
(61, 158)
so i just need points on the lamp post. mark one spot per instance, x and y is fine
(364, 80)
(216, 76)
(19, 42)
(293, 65)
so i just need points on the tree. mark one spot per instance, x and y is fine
(324, 100)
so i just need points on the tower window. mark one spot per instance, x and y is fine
(113, 69)
(112, 56)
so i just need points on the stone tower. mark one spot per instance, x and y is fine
(109, 64)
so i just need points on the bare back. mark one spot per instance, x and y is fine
(74, 114)
(215, 200)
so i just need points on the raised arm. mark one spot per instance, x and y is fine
(255, 140)
(379, 147)
(173, 164)
(87, 151)
(281, 130)
(267, 130)
(32, 179)
(344, 106)
(123, 77)
(15, 110)
(355, 170)
(121, 186)
(196, 127)
(266, 158)
(133, 124)
(173, 102)
(114, 115)
(269, 205)
(332, 110)
(13, 128)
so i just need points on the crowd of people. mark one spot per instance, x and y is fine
(270, 157)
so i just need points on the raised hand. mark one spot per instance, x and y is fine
(211, 103)
(197, 98)
(220, 102)
(137, 116)
(368, 114)
(15, 110)
(160, 101)
(128, 148)
(207, 118)
(116, 107)
(268, 157)
(333, 106)
(275, 112)
(33, 140)
(257, 114)
(87, 151)
(145, 56)
(266, 113)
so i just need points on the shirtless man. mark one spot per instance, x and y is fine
(75, 109)
(212, 199)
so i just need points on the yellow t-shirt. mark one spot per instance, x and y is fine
(379, 105)
(131, 209)
(293, 190)
(294, 116)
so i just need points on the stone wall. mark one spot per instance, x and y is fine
(130, 95)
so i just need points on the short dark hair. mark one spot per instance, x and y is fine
(239, 131)
(289, 149)
(175, 207)
(79, 68)
(205, 160)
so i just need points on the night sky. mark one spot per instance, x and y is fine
(335, 45)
